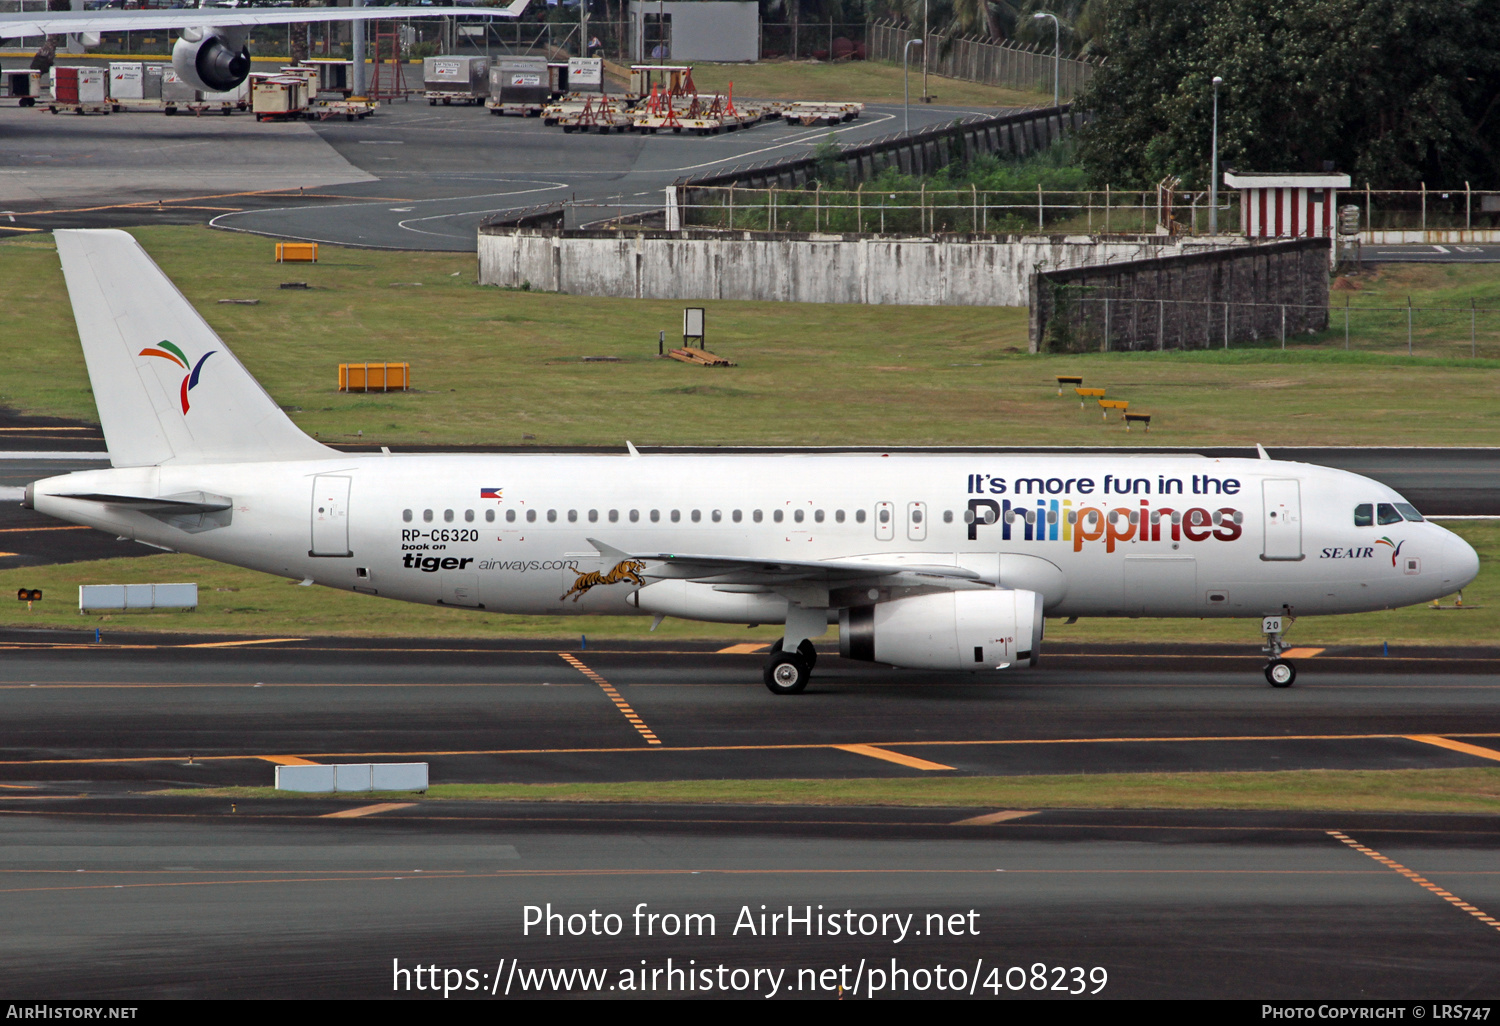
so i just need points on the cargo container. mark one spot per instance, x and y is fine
(585, 75)
(519, 85)
(22, 86)
(334, 76)
(279, 97)
(460, 79)
(174, 91)
(152, 79)
(229, 100)
(80, 89)
(127, 80)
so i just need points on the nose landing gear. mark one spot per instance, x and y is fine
(1280, 673)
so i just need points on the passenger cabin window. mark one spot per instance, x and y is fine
(406, 516)
(531, 516)
(635, 515)
(447, 516)
(756, 516)
(697, 516)
(489, 516)
(717, 516)
(797, 516)
(859, 516)
(427, 516)
(885, 516)
(948, 516)
(572, 516)
(1385, 513)
(510, 516)
(1364, 515)
(676, 516)
(776, 515)
(1409, 511)
(614, 516)
(735, 516)
(838, 516)
(818, 516)
(655, 515)
(468, 516)
(593, 516)
(552, 516)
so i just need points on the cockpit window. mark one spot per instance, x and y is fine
(1385, 513)
(1408, 511)
(1364, 515)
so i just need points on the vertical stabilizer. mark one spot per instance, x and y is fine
(168, 390)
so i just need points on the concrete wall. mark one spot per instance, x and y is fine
(920, 153)
(701, 30)
(1189, 300)
(797, 267)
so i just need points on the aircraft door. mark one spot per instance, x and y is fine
(1283, 520)
(885, 521)
(330, 516)
(916, 521)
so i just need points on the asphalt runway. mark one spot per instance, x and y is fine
(113, 891)
(410, 177)
(1422, 253)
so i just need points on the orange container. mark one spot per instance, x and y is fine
(293, 252)
(374, 377)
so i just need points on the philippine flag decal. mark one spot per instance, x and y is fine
(490, 493)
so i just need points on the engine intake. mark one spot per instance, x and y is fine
(955, 630)
(215, 62)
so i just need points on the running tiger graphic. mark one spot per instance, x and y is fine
(625, 570)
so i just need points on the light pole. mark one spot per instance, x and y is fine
(1213, 175)
(926, 96)
(906, 77)
(1056, 55)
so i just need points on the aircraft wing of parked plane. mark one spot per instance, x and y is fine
(939, 561)
(41, 23)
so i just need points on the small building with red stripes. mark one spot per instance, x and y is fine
(1287, 206)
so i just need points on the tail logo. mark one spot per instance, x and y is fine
(168, 351)
(1395, 548)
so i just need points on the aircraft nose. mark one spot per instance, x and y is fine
(1460, 562)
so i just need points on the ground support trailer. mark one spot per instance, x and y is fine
(818, 113)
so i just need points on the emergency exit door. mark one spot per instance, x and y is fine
(330, 516)
(1283, 520)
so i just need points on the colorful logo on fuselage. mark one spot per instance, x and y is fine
(167, 351)
(1395, 548)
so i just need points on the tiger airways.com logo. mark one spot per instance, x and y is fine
(168, 351)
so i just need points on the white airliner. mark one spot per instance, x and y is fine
(947, 562)
(212, 54)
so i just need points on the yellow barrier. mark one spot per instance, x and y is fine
(296, 252)
(374, 377)
(1113, 404)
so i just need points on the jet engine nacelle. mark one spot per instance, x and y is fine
(214, 60)
(952, 630)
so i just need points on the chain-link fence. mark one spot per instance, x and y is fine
(1092, 320)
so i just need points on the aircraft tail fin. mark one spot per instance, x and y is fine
(167, 388)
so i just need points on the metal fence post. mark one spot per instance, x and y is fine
(1226, 324)
(1161, 324)
(1473, 352)
(1283, 325)
(1346, 322)
(1408, 325)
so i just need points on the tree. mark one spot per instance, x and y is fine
(1394, 92)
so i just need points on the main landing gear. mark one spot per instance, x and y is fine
(1279, 672)
(786, 673)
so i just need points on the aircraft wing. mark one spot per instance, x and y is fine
(42, 23)
(773, 573)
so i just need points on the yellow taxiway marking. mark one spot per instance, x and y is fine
(29, 530)
(896, 757)
(367, 810)
(743, 648)
(14, 228)
(996, 817)
(4, 554)
(802, 747)
(280, 760)
(59, 428)
(20, 787)
(1456, 746)
(1418, 879)
(235, 644)
(614, 696)
(1301, 653)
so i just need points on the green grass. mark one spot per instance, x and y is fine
(494, 366)
(865, 81)
(1433, 790)
(245, 602)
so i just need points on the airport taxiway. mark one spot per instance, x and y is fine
(114, 891)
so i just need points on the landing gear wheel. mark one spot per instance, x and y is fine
(1280, 673)
(787, 674)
